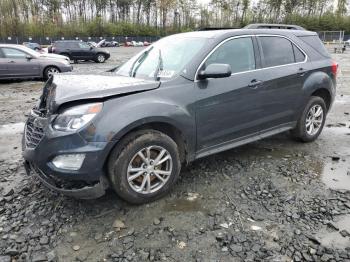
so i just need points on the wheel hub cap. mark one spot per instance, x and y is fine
(314, 120)
(149, 169)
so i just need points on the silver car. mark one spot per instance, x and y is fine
(18, 61)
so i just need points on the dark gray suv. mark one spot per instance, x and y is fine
(184, 97)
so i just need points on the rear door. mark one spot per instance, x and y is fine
(284, 72)
(18, 65)
(74, 50)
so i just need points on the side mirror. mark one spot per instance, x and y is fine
(91, 47)
(215, 71)
(29, 57)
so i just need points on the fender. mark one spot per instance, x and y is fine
(316, 81)
(132, 112)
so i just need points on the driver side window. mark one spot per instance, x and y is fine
(84, 45)
(238, 53)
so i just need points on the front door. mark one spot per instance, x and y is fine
(85, 51)
(228, 109)
(18, 64)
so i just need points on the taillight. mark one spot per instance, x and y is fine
(335, 68)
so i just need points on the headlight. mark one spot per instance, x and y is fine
(76, 117)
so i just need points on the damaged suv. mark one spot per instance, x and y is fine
(185, 97)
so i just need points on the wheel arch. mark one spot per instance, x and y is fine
(47, 66)
(319, 84)
(162, 125)
(325, 95)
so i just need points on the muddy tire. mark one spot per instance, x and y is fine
(50, 71)
(311, 121)
(100, 58)
(144, 166)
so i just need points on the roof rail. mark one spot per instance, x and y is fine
(216, 28)
(274, 26)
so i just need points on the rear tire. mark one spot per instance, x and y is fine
(144, 166)
(311, 121)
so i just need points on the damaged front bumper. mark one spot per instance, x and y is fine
(77, 189)
(41, 145)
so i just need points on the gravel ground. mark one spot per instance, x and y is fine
(272, 200)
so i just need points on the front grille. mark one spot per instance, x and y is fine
(33, 133)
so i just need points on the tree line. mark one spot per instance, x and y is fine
(52, 18)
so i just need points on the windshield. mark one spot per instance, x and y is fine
(164, 59)
(30, 51)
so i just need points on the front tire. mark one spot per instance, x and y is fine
(50, 71)
(100, 58)
(144, 166)
(311, 122)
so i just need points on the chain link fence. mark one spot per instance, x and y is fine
(331, 36)
(49, 40)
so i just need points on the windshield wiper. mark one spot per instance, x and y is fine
(142, 58)
(160, 66)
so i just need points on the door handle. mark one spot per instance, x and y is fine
(255, 83)
(301, 71)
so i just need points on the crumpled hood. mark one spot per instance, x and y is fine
(67, 88)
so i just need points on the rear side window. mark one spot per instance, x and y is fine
(72, 45)
(276, 51)
(315, 42)
(66, 44)
(238, 53)
(299, 56)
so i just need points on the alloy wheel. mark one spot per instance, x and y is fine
(51, 71)
(101, 58)
(314, 120)
(149, 169)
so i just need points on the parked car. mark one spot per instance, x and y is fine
(17, 61)
(185, 97)
(93, 44)
(77, 50)
(115, 43)
(109, 44)
(34, 46)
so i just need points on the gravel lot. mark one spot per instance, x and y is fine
(272, 200)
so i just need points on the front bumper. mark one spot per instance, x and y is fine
(87, 182)
(91, 191)
(66, 68)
